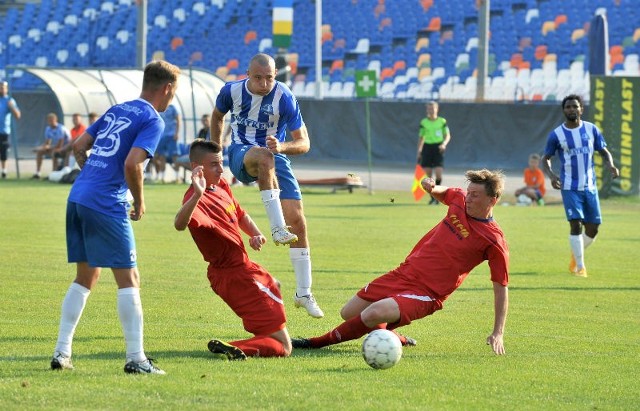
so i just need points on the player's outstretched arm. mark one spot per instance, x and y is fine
(429, 185)
(249, 227)
(186, 211)
(501, 306)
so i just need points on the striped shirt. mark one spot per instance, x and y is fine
(254, 117)
(576, 148)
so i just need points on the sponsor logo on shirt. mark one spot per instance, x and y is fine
(247, 122)
(459, 229)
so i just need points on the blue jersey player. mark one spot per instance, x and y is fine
(261, 111)
(576, 141)
(99, 233)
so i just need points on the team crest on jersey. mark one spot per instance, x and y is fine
(267, 109)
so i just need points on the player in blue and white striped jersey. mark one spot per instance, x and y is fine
(262, 110)
(576, 141)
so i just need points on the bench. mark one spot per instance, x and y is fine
(348, 183)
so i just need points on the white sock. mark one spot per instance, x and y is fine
(271, 201)
(587, 241)
(301, 261)
(130, 312)
(72, 307)
(577, 247)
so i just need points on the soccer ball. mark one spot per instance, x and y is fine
(381, 349)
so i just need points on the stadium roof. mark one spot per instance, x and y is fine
(87, 90)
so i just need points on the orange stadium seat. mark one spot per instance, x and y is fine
(540, 52)
(435, 24)
(336, 65)
(327, 36)
(233, 64)
(516, 59)
(560, 19)
(379, 9)
(385, 22)
(399, 65)
(250, 36)
(176, 42)
(426, 4)
(386, 73)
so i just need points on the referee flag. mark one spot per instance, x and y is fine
(417, 189)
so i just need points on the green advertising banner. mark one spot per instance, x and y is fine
(615, 109)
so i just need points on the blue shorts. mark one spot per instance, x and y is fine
(167, 147)
(582, 205)
(289, 188)
(98, 239)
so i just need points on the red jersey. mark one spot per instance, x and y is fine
(214, 227)
(443, 258)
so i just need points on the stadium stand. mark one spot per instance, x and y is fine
(420, 49)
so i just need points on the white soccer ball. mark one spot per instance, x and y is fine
(381, 349)
(524, 199)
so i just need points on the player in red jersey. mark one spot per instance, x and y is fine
(435, 267)
(215, 219)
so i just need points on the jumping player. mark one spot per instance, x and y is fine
(215, 219)
(262, 110)
(435, 267)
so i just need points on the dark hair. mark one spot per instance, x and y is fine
(199, 147)
(573, 97)
(158, 73)
(493, 181)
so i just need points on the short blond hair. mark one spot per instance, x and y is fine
(493, 181)
(158, 73)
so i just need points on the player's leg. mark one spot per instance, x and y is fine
(573, 206)
(255, 297)
(40, 152)
(249, 164)
(300, 251)
(4, 148)
(78, 292)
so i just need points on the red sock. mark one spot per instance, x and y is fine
(348, 330)
(260, 346)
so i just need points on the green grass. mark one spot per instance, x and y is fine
(571, 343)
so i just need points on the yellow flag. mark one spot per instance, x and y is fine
(417, 189)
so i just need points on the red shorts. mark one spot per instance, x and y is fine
(414, 302)
(253, 295)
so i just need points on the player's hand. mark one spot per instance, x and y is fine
(428, 183)
(442, 148)
(273, 144)
(198, 181)
(555, 183)
(615, 173)
(257, 241)
(137, 211)
(497, 343)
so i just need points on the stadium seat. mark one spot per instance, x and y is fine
(71, 20)
(160, 21)
(102, 42)
(422, 44)
(541, 52)
(199, 8)
(126, 3)
(362, 47)
(577, 34)
(424, 60)
(176, 42)
(90, 13)
(250, 36)
(53, 27)
(560, 19)
(179, 14)
(41, 61)
(82, 49)
(265, 44)
(62, 56)
(435, 24)
(107, 7)
(123, 36)
(548, 26)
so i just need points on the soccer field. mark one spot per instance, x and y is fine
(572, 343)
